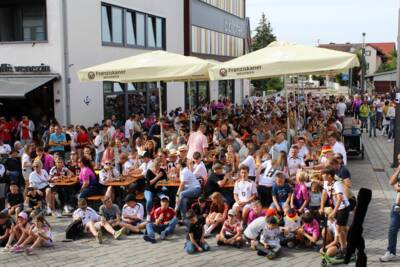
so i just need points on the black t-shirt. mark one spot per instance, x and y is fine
(343, 172)
(34, 199)
(7, 225)
(14, 199)
(212, 184)
(68, 138)
(13, 164)
(197, 230)
(150, 176)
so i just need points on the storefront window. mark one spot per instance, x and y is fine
(199, 94)
(132, 98)
(226, 90)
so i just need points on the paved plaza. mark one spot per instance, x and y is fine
(133, 251)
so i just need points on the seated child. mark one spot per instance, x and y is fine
(39, 235)
(300, 196)
(292, 224)
(164, 223)
(315, 197)
(269, 241)
(201, 209)
(218, 213)
(34, 200)
(309, 232)
(15, 199)
(110, 217)
(133, 215)
(231, 232)
(255, 228)
(91, 221)
(195, 237)
(19, 232)
(6, 224)
(331, 239)
(256, 211)
(281, 193)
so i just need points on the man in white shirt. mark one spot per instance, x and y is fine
(250, 162)
(129, 128)
(244, 192)
(199, 168)
(301, 144)
(341, 109)
(280, 145)
(294, 162)
(337, 147)
(132, 215)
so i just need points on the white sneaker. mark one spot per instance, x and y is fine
(387, 257)
(389, 140)
(48, 211)
(148, 218)
(66, 210)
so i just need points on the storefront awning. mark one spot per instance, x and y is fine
(16, 86)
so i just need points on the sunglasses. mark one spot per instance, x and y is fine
(107, 163)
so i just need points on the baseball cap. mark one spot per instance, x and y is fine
(165, 198)
(23, 215)
(232, 212)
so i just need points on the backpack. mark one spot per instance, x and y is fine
(74, 230)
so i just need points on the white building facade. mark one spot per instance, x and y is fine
(43, 43)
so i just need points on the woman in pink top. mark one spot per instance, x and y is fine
(300, 196)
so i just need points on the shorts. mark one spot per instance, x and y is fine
(135, 223)
(342, 216)
(248, 206)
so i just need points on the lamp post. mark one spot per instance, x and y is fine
(363, 66)
(396, 149)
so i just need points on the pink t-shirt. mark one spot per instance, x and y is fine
(87, 174)
(196, 143)
(253, 216)
(301, 193)
(312, 228)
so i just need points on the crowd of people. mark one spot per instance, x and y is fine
(257, 175)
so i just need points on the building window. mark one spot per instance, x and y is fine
(367, 53)
(209, 42)
(23, 21)
(199, 94)
(128, 28)
(226, 90)
(132, 98)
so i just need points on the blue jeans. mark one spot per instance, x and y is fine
(169, 228)
(148, 195)
(394, 228)
(372, 126)
(190, 248)
(90, 191)
(184, 198)
(392, 126)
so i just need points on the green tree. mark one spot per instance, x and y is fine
(390, 64)
(261, 39)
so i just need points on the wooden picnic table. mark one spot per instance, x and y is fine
(126, 180)
(175, 183)
(66, 181)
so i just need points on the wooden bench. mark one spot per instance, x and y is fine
(95, 201)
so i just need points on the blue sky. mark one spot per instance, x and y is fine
(339, 21)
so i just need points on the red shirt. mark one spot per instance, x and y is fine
(82, 138)
(5, 132)
(168, 213)
(25, 130)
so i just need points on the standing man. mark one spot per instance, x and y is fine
(129, 129)
(25, 129)
(394, 225)
(337, 147)
(198, 142)
(341, 110)
(57, 141)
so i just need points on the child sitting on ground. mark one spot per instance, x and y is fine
(281, 193)
(292, 224)
(6, 224)
(201, 209)
(15, 199)
(300, 197)
(132, 215)
(19, 232)
(255, 228)
(330, 237)
(309, 232)
(256, 211)
(269, 241)
(195, 237)
(231, 232)
(40, 235)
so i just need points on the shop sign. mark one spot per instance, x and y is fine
(7, 68)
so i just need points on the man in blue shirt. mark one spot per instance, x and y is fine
(57, 141)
